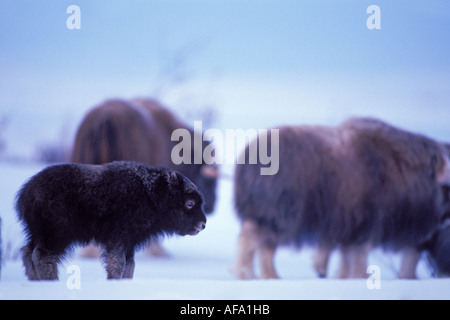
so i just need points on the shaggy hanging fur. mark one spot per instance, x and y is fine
(355, 186)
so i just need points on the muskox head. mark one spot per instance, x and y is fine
(187, 201)
(205, 177)
(438, 249)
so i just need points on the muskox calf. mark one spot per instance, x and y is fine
(353, 187)
(119, 205)
(139, 130)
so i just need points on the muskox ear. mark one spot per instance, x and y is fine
(171, 177)
(189, 187)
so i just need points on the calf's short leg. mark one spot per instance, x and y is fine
(27, 253)
(114, 261)
(129, 266)
(45, 264)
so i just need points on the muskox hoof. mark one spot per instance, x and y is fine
(270, 276)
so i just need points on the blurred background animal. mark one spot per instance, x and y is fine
(438, 248)
(120, 205)
(356, 186)
(1, 245)
(138, 130)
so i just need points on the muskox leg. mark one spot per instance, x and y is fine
(248, 242)
(114, 261)
(359, 258)
(345, 265)
(354, 261)
(410, 258)
(129, 266)
(321, 258)
(266, 254)
(45, 264)
(27, 253)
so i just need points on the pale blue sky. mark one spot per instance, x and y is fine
(238, 36)
(290, 60)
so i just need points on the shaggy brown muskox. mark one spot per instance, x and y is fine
(356, 186)
(438, 248)
(138, 130)
(119, 205)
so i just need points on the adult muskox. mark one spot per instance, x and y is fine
(355, 186)
(438, 248)
(119, 205)
(138, 130)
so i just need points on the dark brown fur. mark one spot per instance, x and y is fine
(119, 205)
(359, 185)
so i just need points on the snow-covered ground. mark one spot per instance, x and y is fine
(248, 64)
(198, 267)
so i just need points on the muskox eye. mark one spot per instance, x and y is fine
(190, 204)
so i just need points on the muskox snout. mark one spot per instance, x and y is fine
(198, 227)
(201, 226)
